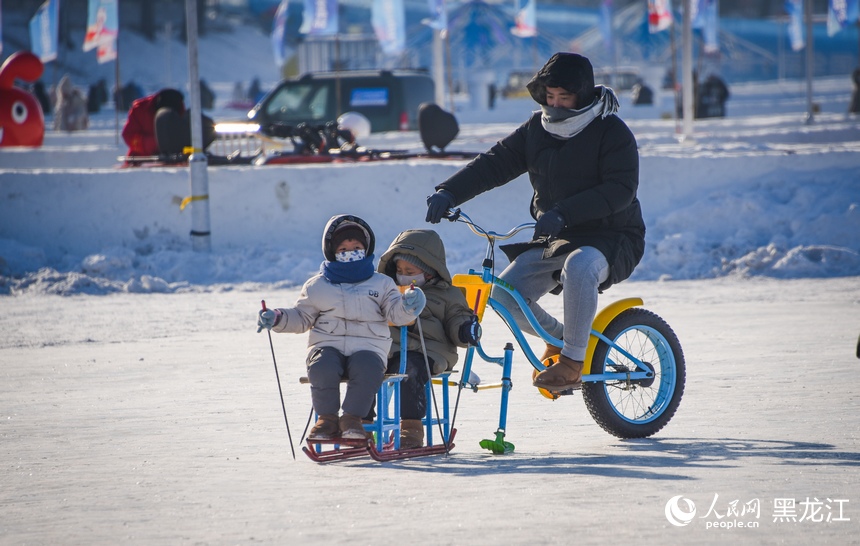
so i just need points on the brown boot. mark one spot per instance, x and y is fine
(561, 376)
(411, 433)
(551, 350)
(326, 428)
(350, 427)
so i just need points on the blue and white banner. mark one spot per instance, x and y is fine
(659, 15)
(279, 48)
(605, 25)
(840, 13)
(320, 18)
(525, 19)
(388, 18)
(44, 31)
(438, 15)
(706, 17)
(794, 9)
(102, 29)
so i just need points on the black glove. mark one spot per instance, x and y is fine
(470, 331)
(549, 224)
(438, 205)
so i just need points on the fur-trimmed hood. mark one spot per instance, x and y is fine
(425, 244)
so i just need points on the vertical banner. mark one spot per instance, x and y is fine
(839, 14)
(320, 18)
(706, 19)
(606, 25)
(525, 19)
(794, 9)
(659, 15)
(44, 31)
(279, 48)
(1, 26)
(388, 18)
(438, 15)
(102, 29)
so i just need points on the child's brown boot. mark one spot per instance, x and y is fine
(411, 433)
(325, 428)
(351, 428)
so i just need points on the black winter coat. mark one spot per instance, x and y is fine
(591, 179)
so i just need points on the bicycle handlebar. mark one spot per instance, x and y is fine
(456, 215)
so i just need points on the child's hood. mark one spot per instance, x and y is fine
(425, 244)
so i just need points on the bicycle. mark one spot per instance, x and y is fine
(634, 371)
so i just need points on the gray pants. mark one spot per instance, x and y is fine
(582, 271)
(364, 371)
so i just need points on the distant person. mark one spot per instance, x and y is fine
(255, 93)
(126, 95)
(712, 97)
(70, 109)
(96, 96)
(641, 93)
(491, 96)
(43, 98)
(207, 96)
(347, 308)
(239, 95)
(158, 125)
(854, 107)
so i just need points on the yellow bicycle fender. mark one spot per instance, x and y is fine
(602, 320)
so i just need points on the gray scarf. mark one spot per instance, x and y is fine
(564, 123)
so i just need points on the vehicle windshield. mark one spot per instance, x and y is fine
(299, 102)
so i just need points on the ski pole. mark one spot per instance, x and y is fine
(430, 378)
(280, 392)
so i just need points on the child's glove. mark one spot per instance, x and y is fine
(470, 331)
(549, 224)
(267, 318)
(414, 300)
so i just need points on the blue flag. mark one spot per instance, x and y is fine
(320, 18)
(388, 18)
(707, 16)
(279, 49)
(525, 19)
(839, 14)
(44, 28)
(438, 15)
(794, 9)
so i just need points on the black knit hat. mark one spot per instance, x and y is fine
(170, 98)
(416, 261)
(346, 226)
(569, 71)
(348, 231)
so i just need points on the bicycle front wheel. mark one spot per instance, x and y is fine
(636, 408)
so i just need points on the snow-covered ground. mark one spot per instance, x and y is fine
(138, 404)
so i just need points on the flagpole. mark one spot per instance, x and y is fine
(810, 59)
(197, 162)
(117, 92)
(687, 70)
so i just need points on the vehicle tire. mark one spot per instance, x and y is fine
(636, 409)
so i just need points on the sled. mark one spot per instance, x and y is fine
(385, 428)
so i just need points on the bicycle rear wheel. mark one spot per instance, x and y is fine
(636, 408)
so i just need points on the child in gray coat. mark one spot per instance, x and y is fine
(347, 308)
